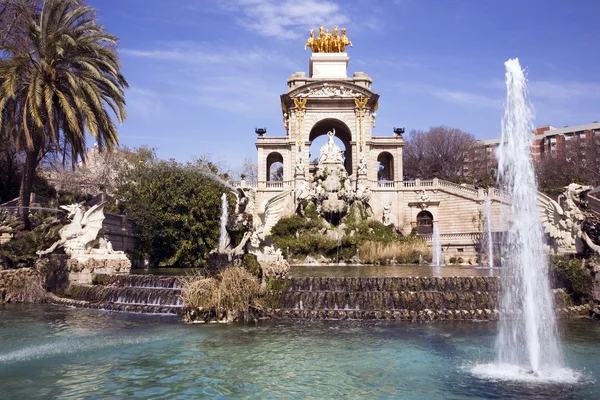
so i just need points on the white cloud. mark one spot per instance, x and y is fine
(202, 55)
(287, 19)
(468, 98)
(563, 92)
(143, 102)
(239, 81)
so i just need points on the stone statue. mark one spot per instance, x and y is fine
(363, 193)
(302, 191)
(563, 222)
(327, 41)
(299, 165)
(423, 196)
(362, 166)
(330, 152)
(387, 209)
(79, 236)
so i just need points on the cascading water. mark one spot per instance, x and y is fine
(438, 257)
(527, 343)
(487, 212)
(224, 217)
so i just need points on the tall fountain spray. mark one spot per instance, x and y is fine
(224, 217)
(527, 343)
(487, 212)
(438, 257)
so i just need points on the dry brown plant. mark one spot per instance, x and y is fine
(403, 252)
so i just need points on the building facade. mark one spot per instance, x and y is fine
(329, 102)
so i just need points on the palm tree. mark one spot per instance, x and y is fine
(57, 85)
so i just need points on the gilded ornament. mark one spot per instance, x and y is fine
(327, 41)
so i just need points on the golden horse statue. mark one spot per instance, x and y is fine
(328, 41)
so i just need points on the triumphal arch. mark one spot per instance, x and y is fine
(327, 101)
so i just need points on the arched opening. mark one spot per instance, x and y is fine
(424, 223)
(343, 137)
(385, 167)
(274, 167)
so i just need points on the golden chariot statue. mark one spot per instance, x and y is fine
(327, 41)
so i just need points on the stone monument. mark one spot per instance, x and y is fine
(88, 252)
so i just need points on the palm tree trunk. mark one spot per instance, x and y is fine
(31, 162)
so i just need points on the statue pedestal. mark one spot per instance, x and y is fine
(82, 266)
(328, 65)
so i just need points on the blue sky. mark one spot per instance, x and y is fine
(204, 74)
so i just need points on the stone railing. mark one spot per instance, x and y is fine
(244, 184)
(464, 190)
(471, 237)
(386, 184)
(274, 184)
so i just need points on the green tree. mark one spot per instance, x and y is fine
(57, 84)
(176, 209)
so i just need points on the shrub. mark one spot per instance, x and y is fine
(176, 209)
(230, 293)
(20, 251)
(574, 275)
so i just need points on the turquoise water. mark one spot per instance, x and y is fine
(52, 352)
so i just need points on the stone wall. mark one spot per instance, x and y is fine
(407, 299)
(121, 232)
(23, 285)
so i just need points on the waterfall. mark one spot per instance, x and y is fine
(224, 217)
(527, 343)
(438, 256)
(487, 212)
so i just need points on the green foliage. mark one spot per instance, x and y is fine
(251, 264)
(66, 198)
(573, 273)
(357, 213)
(176, 210)
(292, 225)
(19, 252)
(452, 260)
(299, 237)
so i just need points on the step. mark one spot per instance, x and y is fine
(145, 309)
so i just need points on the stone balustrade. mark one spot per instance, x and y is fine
(433, 184)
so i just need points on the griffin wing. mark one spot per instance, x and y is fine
(551, 213)
(274, 209)
(92, 223)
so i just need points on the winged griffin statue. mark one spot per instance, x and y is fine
(562, 220)
(80, 235)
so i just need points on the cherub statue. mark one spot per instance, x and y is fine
(387, 209)
(80, 235)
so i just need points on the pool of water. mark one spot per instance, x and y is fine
(52, 352)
